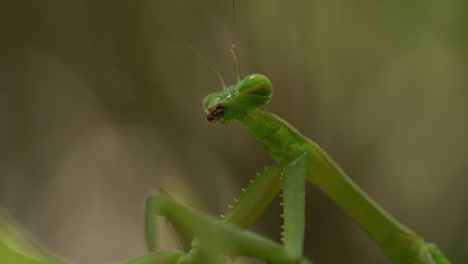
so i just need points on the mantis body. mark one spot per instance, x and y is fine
(299, 159)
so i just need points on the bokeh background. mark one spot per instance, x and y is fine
(99, 108)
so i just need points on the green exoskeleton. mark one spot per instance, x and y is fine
(298, 159)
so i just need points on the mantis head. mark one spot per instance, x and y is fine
(236, 101)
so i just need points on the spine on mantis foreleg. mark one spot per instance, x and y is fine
(255, 198)
(263, 190)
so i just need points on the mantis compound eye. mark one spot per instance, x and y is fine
(256, 84)
(215, 113)
(255, 90)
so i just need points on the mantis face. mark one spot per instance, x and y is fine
(237, 100)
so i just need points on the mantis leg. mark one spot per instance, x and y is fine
(245, 211)
(160, 257)
(294, 207)
(215, 238)
(228, 236)
(151, 227)
(260, 193)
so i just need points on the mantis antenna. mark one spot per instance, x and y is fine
(197, 53)
(234, 48)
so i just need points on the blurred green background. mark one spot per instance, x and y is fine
(99, 108)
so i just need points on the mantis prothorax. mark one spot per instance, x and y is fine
(299, 159)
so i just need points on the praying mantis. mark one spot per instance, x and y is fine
(298, 159)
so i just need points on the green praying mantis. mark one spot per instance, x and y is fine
(298, 159)
(213, 241)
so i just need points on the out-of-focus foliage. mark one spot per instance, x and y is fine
(99, 108)
(15, 248)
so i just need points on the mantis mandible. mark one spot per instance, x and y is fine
(298, 159)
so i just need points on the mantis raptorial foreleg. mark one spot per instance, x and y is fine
(152, 211)
(245, 211)
(258, 195)
(214, 239)
(294, 206)
(254, 200)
